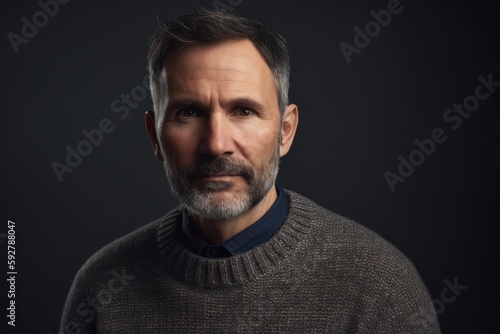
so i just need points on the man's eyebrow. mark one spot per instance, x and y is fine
(179, 103)
(189, 102)
(247, 101)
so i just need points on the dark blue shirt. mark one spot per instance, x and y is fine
(257, 233)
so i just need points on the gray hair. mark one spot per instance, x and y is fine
(211, 26)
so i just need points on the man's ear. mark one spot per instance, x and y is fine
(289, 127)
(150, 126)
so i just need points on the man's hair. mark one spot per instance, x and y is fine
(212, 26)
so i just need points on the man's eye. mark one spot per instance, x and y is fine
(245, 112)
(188, 112)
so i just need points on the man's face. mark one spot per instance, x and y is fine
(220, 134)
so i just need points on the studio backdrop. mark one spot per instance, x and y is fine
(399, 112)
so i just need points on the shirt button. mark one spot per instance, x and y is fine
(218, 252)
(214, 252)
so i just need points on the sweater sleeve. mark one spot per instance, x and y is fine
(386, 293)
(101, 288)
(410, 306)
(80, 310)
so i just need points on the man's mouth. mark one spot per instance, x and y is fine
(218, 175)
(217, 170)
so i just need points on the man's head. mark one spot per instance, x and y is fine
(213, 26)
(222, 121)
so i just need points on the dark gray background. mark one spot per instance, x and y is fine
(355, 120)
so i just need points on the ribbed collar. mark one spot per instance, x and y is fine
(241, 268)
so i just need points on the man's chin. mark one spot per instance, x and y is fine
(218, 204)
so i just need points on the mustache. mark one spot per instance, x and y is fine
(222, 165)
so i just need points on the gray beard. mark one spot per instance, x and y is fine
(205, 202)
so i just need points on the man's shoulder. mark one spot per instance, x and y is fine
(354, 263)
(336, 226)
(137, 247)
(337, 235)
(134, 257)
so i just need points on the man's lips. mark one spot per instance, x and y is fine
(219, 175)
(222, 176)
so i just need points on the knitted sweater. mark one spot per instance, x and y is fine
(321, 273)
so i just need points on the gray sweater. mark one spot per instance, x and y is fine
(321, 273)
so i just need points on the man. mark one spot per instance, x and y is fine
(240, 254)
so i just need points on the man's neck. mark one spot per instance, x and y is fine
(219, 231)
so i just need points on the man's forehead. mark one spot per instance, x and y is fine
(234, 65)
(237, 55)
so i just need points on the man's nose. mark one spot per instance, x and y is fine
(218, 137)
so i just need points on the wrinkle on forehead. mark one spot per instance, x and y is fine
(205, 70)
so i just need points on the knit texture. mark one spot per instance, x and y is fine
(321, 273)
